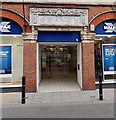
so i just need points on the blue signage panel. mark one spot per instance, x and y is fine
(8, 26)
(59, 36)
(109, 57)
(107, 27)
(5, 60)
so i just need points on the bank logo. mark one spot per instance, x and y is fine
(110, 27)
(5, 26)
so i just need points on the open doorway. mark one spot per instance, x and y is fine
(58, 68)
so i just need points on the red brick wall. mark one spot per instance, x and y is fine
(29, 60)
(30, 48)
(15, 17)
(93, 10)
(88, 70)
(103, 17)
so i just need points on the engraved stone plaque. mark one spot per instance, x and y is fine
(58, 17)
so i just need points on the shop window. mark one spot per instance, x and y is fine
(11, 52)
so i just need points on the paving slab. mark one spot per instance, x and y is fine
(59, 97)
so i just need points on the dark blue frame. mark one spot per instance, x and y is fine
(59, 36)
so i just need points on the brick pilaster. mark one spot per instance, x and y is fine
(88, 68)
(29, 60)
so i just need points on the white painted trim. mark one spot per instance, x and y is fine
(103, 63)
(109, 44)
(38, 65)
(107, 81)
(12, 62)
(105, 35)
(10, 35)
(81, 65)
(101, 14)
(6, 44)
(15, 13)
(79, 72)
(9, 86)
(5, 75)
(60, 29)
(109, 72)
(85, 41)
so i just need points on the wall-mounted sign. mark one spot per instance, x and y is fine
(5, 26)
(5, 59)
(59, 36)
(107, 27)
(109, 58)
(8, 26)
(58, 17)
(110, 27)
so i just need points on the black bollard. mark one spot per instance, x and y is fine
(23, 90)
(100, 88)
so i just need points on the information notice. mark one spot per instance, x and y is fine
(109, 58)
(5, 59)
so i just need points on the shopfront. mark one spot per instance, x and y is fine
(59, 44)
(59, 48)
(41, 21)
(11, 52)
(106, 40)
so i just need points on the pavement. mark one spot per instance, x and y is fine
(70, 104)
(59, 97)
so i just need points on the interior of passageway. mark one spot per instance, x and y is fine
(58, 68)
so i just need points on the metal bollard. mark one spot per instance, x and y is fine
(23, 90)
(100, 88)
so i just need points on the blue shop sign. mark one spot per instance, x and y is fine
(107, 27)
(109, 57)
(5, 60)
(59, 36)
(8, 26)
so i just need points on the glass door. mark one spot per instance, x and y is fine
(58, 62)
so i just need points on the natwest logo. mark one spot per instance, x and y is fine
(5, 26)
(110, 27)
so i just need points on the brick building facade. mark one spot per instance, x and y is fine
(97, 13)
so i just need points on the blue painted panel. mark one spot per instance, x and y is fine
(59, 36)
(109, 57)
(8, 26)
(107, 27)
(5, 60)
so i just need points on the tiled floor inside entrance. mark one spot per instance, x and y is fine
(57, 85)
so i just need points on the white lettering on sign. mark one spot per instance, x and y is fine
(110, 52)
(5, 27)
(4, 53)
(2, 71)
(110, 27)
(111, 68)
